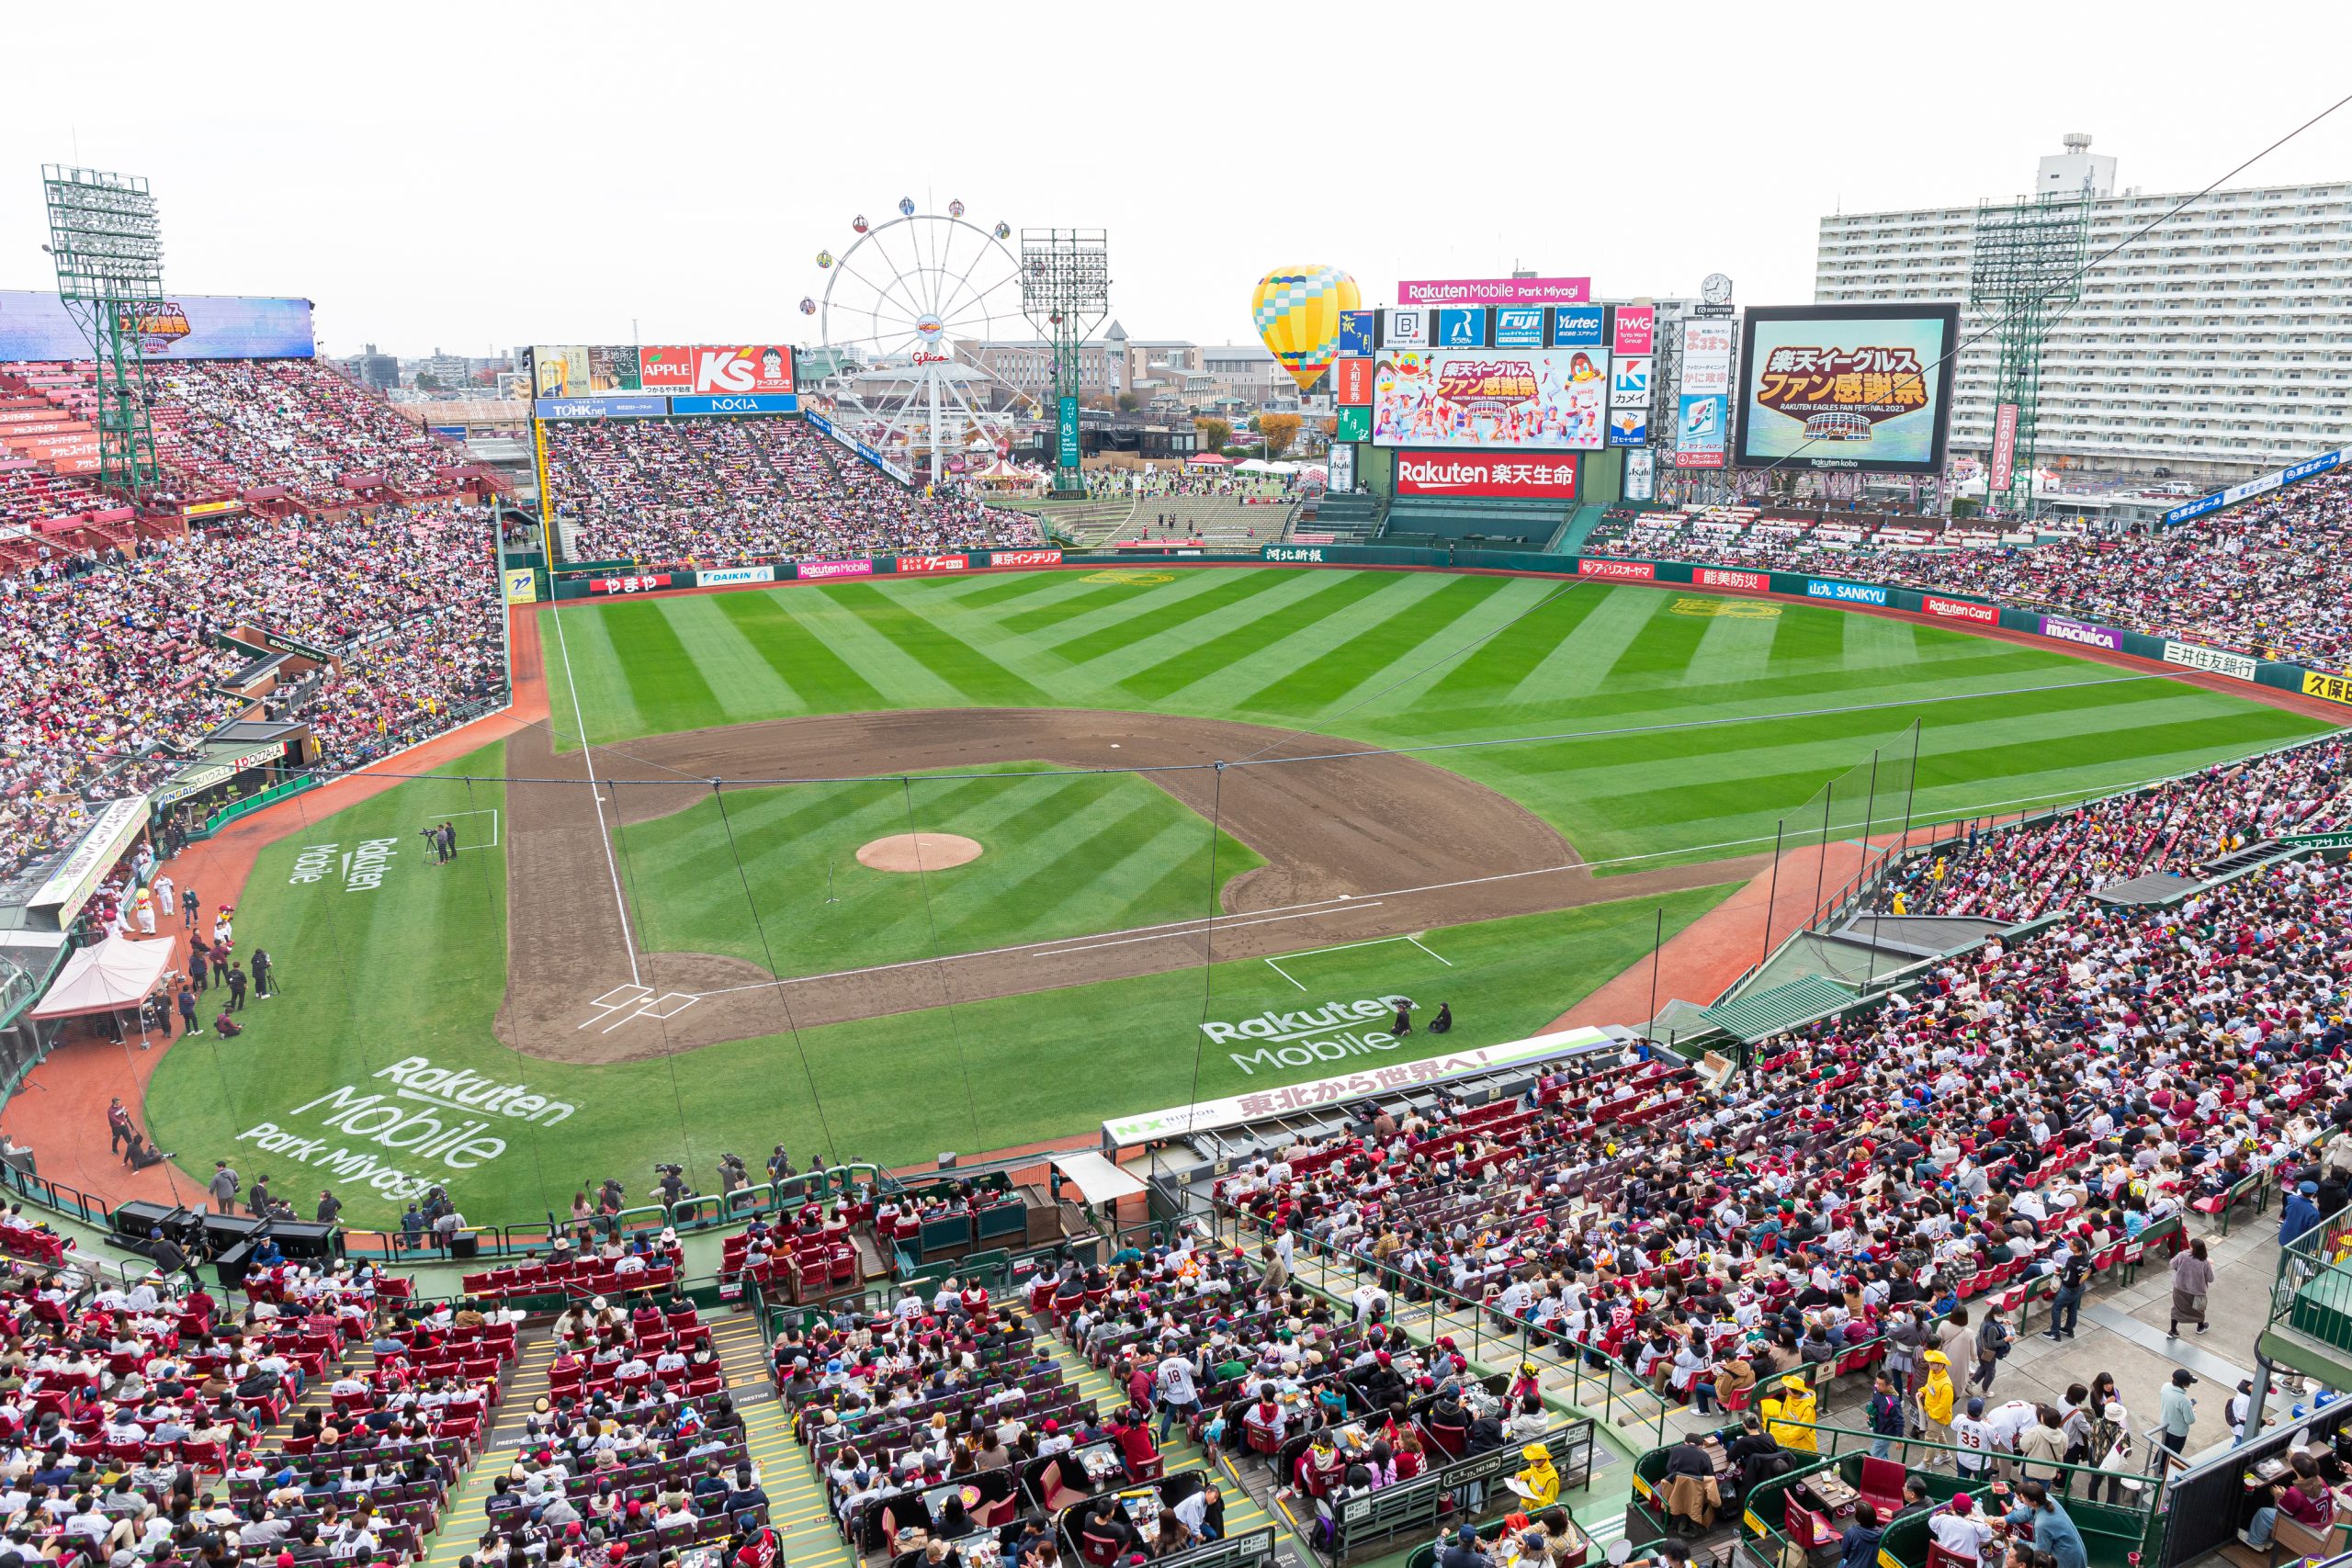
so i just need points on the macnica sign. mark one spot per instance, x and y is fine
(446, 1117)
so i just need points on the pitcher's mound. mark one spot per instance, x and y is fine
(918, 852)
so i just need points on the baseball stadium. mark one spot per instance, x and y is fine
(822, 953)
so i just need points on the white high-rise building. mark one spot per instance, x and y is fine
(2215, 348)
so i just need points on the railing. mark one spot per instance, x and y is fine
(2311, 1291)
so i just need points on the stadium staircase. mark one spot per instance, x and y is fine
(1580, 525)
(1351, 519)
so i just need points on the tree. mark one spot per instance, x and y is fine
(425, 382)
(1129, 402)
(1280, 429)
(1966, 506)
(1213, 433)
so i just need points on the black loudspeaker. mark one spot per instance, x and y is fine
(300, 1238)
(233, 1264)
(465, 1244)
(134, 1219)
(222, 1232)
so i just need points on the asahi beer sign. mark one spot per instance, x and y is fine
(1330, 1032)
(436, 1120)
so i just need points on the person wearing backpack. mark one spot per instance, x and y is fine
(1993, 1338)
(2074, 1275)
(1885, 1412)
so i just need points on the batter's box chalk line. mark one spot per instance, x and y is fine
(1414, 938)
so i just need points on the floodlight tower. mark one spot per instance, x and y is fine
(110, 253)
(1065, 292)
(2026, 271)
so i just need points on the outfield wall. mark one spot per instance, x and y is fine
(1960, 610)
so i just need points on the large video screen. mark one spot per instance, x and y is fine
(179, 326)
(1535, 400)
(1847, 387)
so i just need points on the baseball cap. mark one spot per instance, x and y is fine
(2182, 1377)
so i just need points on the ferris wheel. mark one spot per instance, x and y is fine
(903, 322)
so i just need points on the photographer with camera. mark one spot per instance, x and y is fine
(732, 1179)
(671, 1179)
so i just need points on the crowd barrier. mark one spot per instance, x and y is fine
(607, 578)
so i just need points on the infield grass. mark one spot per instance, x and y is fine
(1638, 721)
(417, 968)
(1065, 854)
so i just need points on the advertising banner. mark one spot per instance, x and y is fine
(1629, 427)
(1629, 381)
(704, 369)
(1699, 429)
(1864, 387)
(1495, 291)
(2261, 485)
(1066, 445)
(1617, 571)
(1024, 557)
(184, 326)
(1636, 330)
(1357, 329)
(1516, 399)
(1352, 382)
(1577, 326)
(1723, 576)
(724, 576)
(1549, 476)
(738, 402)
(819, 570)
(1340, 466)
(2333, 688)
(1845, 593)
(2080, 632)
(1353, 425)
(1461, 329)
(2005, 448)
(1960, 610)
(907, 566)
(1641, 476)
(644, 583)
(1405, 329)
(1706, 357)
(2215, 660)
(522, 585)
(600, 407)
(1518, 326)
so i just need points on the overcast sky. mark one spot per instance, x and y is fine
(473, 177)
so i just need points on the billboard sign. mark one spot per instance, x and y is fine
(1636, 328)
(1339, 468)
(2326, 687)
(2081, 633)
(183, 326)
(1727, 576)
(2004, 447)
(1494, 291)
(1356, 329)
(1706, 357)
(1353, 425)
(1066, 447)
(1641, 475)
(1024, 557)
(1845, 593)
(1405, 329)
(2218, 662)
(1629, 427)
(1518, 326)
(1617, 571)
(600, 407)
(1864, 387)
(1513, 398)
(705, 369)
(1352, 383)
(1538, 476)
(909, 565)
(2262, 485)
(1629, 381)
(740, 402)
(729, 576)
(1461, 329)
(645, 582)
(819, 570)
(1699, 429)
(1960, 610)
(1577, 326)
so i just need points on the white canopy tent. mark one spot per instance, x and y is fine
(1097, 1178)
(114, 976)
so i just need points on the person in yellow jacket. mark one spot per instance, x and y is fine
(1788, 1412)
(1937, 1397)
(1537, 1486)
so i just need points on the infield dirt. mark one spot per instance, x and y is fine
(1340, 837)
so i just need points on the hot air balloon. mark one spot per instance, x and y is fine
(1297, 311)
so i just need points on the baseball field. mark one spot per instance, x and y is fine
(1482, 791)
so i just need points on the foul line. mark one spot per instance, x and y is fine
(588, 756)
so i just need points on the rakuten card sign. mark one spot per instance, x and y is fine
(1550, 476)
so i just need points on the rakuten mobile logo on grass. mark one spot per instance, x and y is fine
(1331, 1032)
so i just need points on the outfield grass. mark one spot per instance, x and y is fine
(1641, 678)
(417, 968)
(1068, 854)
